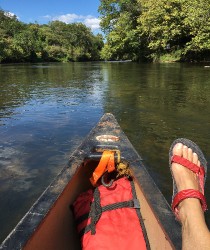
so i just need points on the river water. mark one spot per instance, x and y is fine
(47, 109)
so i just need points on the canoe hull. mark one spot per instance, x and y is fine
(49, 224)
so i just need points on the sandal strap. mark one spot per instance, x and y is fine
(199, 171)
(185, 194)
(188, 164)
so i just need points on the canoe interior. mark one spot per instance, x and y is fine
(58, 230)
(49, 224)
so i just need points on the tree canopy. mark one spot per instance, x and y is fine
(119, 23)
(56, 41)
(149, 29)
(136, 30)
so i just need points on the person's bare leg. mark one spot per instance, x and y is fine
(195, 234)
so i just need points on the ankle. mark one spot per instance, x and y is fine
(190, 211)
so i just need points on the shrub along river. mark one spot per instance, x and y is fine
(47, 109)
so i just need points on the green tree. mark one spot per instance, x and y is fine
(27, 43)
(9, 24)
(175, 25)
(71, 42)
(97, 45)
(198, 22)
(56, 41)
(161, 22)
(119, 22)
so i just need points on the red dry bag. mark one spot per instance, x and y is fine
(109, 217)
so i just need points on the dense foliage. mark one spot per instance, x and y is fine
(119, 23)
(151, 29)
(134, 30)
(56, 41)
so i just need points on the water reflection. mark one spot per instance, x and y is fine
(47, 109)
(156, 104)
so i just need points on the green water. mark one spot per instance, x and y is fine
(47, 109)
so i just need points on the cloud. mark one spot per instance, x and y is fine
(10, 14)
(93, 23)
(69, 18)
(90, 21)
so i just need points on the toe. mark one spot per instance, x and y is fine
(195, 158)
(185, 152)
(178, 149)
(190, 154)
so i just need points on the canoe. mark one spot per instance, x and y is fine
(49, 224)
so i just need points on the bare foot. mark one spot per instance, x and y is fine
(195, 233)
(186, 179)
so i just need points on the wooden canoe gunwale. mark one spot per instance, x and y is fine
(33, 219)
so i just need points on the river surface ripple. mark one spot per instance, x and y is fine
(47, 109)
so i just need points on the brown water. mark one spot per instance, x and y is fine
(47, 109)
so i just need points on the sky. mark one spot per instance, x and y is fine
(44, 11)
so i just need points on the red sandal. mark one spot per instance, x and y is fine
(201, 172)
